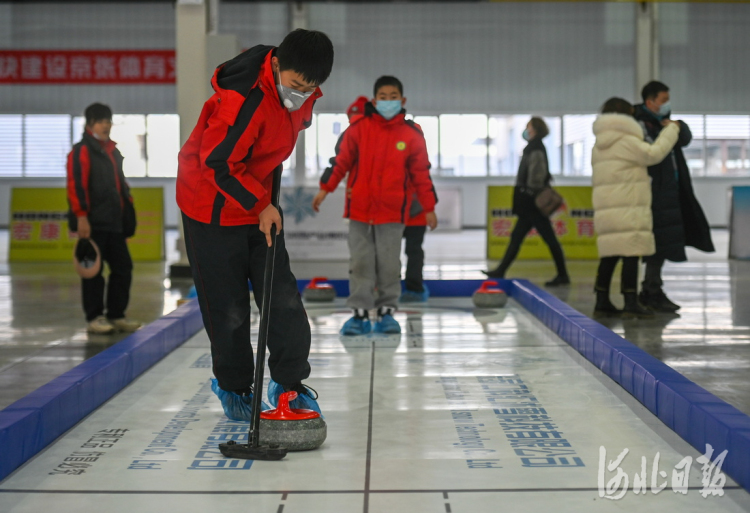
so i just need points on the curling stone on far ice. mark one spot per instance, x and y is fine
(489, 296)
(318, 291)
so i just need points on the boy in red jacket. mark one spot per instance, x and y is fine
(386, 156)
(263, 98)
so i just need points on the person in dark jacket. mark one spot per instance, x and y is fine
(98, 196)
(246, 130)
(678, 218)
(533, 176)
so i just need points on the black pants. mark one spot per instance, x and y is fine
(222, 260)
(525, 223)
(628, 279)
(414, 236)
(115, 252)
(652, 282)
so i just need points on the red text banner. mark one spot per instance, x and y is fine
(87, 66)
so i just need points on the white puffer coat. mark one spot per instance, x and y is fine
(622, 187)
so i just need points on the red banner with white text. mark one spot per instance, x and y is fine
(87, 66)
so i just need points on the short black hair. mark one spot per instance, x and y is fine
(307, 52)
(652, 90)
(540, 127)
(617, 106)
(97, 112)
(387, 80)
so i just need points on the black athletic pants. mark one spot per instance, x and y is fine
(628, 279)
(414, 236)
(114, 251)
(523, 226)
(222, 260)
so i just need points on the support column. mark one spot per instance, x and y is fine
(299, 17)
(646, 45)
(191, 87)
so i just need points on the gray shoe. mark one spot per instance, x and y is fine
(126, 325)
(100, 326)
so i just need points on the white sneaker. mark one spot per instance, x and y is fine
(127, 325)
(100, 325)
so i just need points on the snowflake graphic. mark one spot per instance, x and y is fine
(298, 204)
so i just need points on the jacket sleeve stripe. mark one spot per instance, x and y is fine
(219, 156)
(80, 175)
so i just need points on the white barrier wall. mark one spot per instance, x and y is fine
(713, 194)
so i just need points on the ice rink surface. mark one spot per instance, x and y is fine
(467, 410)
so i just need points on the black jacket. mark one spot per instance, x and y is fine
(679, 220)
(97, 187)
(533, 176)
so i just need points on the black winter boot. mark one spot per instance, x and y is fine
(604, 307)
(497, 272)
(558, 281)
(634, 309)
(658, 302)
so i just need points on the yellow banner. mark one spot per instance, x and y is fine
(39, 226)
(573, 224)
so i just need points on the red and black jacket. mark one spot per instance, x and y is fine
(225, 168)
(387, 163)
(96, 185)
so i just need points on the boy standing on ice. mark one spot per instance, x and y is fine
(387, 155)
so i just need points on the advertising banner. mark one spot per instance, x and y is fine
(573, 224)
(87, 66)
(39, 225)
(739, 223)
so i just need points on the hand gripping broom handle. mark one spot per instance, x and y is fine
(265, 314)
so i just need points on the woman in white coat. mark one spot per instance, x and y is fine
(622, 200)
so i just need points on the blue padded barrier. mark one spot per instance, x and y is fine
(34, 421)
(438, 288)
(695, 414)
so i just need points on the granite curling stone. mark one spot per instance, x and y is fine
(317, 291)
(489, 297)
(295, 429)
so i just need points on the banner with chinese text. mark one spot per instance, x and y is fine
(39, 225)
(573, 224)
(87, 66)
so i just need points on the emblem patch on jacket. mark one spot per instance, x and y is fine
(401, 146)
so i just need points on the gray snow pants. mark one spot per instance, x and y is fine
(374, 265)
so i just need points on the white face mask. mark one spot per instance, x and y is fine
(291, 98)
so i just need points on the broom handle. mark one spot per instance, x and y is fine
(265, 314)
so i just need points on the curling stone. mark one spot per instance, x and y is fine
(296, 429)
(317, 291)
(486, 297)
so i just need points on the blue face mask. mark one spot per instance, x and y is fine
(525, 134)
(665, 110)
(388, 108)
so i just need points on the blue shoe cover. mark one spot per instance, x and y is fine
(356, 326)
(388, 325)
(303, 401)
(411, 296)
(236, 407)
